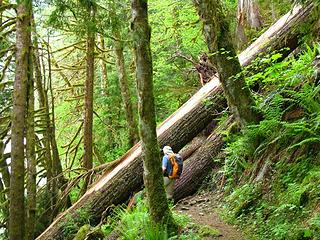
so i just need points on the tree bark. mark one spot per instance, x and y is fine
(125, 91)
(1, 2)
(192, 147)
(104, 84)
(17, 206)
(197, 167)
(116, 184)
(88, 118)
(222, 54)
(248, 12)
(152, 174)
(254, 16)
(31, 162)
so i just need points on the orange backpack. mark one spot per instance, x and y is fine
(177, 165)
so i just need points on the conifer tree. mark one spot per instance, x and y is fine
(23, 40)
(88, 116)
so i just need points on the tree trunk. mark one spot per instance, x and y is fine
(88, 118)
(17, 207)
(45, 124)
(104, 72)
(192, 147)
(248, 12)
(222, 54)
(125, 91)
(116, 185)
(179, 129)
(1, 2)
(56, 162)
(31, 163)
(254, 16)
(152, 174)
(241, 37)
(60, 180)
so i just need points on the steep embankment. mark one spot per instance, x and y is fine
(272, 170)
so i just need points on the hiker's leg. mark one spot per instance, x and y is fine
(169, 186)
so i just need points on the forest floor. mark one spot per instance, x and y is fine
(204, 210)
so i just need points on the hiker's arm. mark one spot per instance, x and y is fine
(164, 164)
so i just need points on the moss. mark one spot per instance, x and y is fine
(207, 231)
(82, 233)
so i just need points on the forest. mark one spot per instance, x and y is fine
(95, 95)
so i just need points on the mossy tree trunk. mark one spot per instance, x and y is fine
(88, 117)
(125, 90)
(223, 55)
(153, 179)
(104, 84)
(17, 206)
(1, 2)
(31, 161)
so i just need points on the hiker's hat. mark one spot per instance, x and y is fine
(167, 149)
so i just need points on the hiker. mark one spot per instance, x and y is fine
(172, 168)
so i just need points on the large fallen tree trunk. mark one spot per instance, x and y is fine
(116, 185)
(284, 33)
(197, 167)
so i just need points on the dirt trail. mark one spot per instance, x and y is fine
(203, 210)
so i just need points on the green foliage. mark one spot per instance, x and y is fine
(281, 204)
(74, 222)
(83, 231)
(136, 224)
(175, 30)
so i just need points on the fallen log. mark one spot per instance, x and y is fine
(192, 147)
(283, 33)
(116, 185)
(200, 164)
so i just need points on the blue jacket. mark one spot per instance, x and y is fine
(167, 165)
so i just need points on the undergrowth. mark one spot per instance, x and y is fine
(136, 224)
(273, 168)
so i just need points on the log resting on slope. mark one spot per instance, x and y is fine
(116, 185)
(200, 164)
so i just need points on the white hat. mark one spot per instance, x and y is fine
(167, 149)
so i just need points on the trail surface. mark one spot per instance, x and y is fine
(204, 210)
